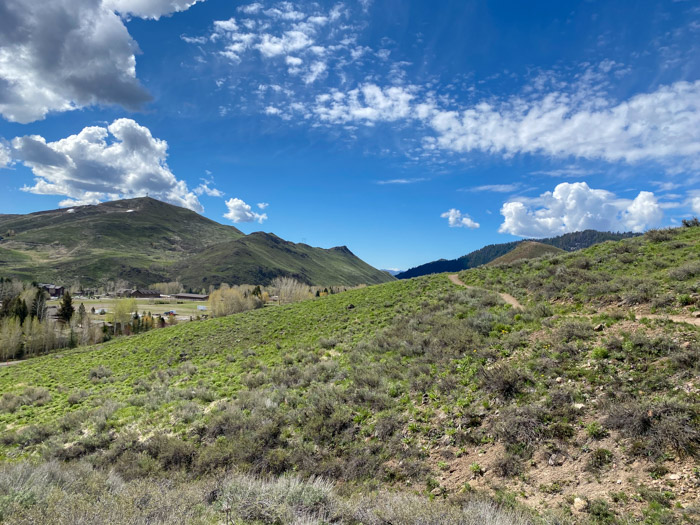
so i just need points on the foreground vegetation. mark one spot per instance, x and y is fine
(413, 391)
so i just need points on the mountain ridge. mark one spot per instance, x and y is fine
(568, 242)
(160, 242)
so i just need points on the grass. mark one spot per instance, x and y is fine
(418, 382)
(526, 250)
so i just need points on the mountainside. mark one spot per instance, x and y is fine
(580, 405)
(568, 242)
(260, 257)
(145, 241)
(525, 250)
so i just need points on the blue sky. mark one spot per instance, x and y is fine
(407, 131)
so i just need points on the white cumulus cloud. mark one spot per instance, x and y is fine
(574, 207)
(263, 205)
(456, 219)
(5, 156)
(205, 189)
(153, 9)
(60, 55)
(122, 160)
(695, 204)
(239, 211)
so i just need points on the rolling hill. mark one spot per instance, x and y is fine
(568, 242)
(145, 241)
(426, 402)
(525, 250)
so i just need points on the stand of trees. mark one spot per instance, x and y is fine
(26, 329)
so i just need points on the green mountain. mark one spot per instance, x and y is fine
(414, 406)
(568, 242)
(260, 257)
(145, 241)
(526, 250)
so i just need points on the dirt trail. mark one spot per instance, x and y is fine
(506, 297)
(675, 318)
(10, 363)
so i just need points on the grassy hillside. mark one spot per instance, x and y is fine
(135, 239)
(583, 406)
(260, 257)
(145, 241)
(567, 242)
(525, 250)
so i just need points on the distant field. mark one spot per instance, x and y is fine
(183, 309)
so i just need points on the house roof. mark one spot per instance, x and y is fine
(190, 296)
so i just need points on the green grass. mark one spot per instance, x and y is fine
(397, 386)
(526, 250)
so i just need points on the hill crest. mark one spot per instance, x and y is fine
(145, 241)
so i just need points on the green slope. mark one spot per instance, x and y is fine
(144, 241)
(260, 257)
(421, 386)
(568, 242)
(525, 250)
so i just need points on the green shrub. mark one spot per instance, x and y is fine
(596, 430)
(599, 459)
(100, 372)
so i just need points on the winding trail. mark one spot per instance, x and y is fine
(674, 318)
(505, 296)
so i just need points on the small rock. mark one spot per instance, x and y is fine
(579, 406)
(696, 314)
(580, 504)
(556, 460)
(436, 491)
(619, 482)
(674, 477)
(599, 327)
(559, 380)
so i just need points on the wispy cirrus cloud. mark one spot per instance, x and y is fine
(326, 78)
(401, 181)
(495, 188)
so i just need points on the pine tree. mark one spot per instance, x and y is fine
(82, 315)
(66, 309)
(20, 310)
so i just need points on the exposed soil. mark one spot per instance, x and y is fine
(506, 297)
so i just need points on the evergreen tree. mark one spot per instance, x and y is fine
(82, 315)
(66, 309)
(20, 310)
